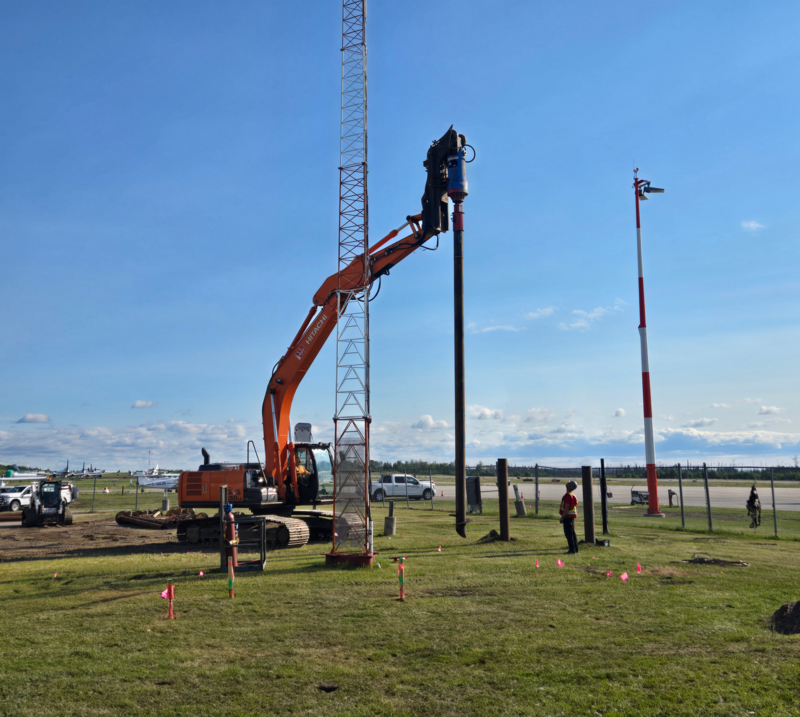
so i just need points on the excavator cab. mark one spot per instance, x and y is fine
(314, 468)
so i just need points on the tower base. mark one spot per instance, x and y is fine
(363, 560)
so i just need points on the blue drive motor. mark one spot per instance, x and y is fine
(457, 174)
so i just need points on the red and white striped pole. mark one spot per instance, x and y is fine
(641, 186)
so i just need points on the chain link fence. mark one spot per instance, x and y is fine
(755, 499)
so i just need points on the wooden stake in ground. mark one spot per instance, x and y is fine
(231, 576)
(401, 574)
(170, 596)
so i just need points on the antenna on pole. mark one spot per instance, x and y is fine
(351, 532)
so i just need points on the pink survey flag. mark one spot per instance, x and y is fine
(201, 573)
(164, 594)
(56, 575)
(537, 563)
(608, 574)
(638, 567)
(440, 548)
(559, 562)
(623, 577)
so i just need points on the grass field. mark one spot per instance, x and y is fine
(483, 631)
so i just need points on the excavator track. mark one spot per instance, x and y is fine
(280, 532)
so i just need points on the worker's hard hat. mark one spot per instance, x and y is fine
(572, 485)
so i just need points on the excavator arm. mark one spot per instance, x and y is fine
(309, 340)
(321, 320)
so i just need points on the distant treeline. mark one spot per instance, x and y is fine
(635, 471)
(4, 468)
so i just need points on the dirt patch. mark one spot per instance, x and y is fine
(91, 537)
(446, 593)
(786, 619)
(491, 536)
(666, 571)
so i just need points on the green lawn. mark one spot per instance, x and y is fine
(483, 631)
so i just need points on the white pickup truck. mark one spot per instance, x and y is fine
(17, 497)
(397, 485)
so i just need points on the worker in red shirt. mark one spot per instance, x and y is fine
(568, 513)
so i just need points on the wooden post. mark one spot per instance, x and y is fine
(708, 499)
(774, 507)
(604, 495)
(680, 489)
(502, 492)
(588, 505)
(536, 497)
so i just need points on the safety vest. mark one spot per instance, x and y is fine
(572, 512)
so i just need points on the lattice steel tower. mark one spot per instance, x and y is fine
(352, 419)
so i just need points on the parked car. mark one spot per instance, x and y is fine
(397, 485)
(639, 497)
(17, 497)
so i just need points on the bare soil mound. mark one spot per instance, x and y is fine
(786, 619)
(87, 537)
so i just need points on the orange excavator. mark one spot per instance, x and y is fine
(296, 476)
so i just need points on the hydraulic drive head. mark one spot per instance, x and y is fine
(457, 174)
(435, 214)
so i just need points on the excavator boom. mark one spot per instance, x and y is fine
(322, 317)
(282, 462)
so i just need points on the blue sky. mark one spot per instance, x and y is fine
(168, 206)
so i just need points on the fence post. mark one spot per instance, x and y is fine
(502, 492)
(136, 507)
(680, 488)
(430, 478)
(604, 495)
(408, 505)
(588, 505)
(536, 488)
(94, 490)
(774, 507)
(708, 499)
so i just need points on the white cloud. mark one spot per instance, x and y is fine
(754, 401)
(700, 423)
(487, 329)
(712, 439)
(34, 418)
(538, 313)
(231, 420)
(619, 413)
(426, 422)
(668, 418)
(768, 422)
(769, 410)
(720, 405)
(751, 226)
(539, 414)
(584, 319)
(144, 404)
(482, 413)
(175, 442)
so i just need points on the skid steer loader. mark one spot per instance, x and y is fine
(47, 506)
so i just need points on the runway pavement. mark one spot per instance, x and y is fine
(787, 498)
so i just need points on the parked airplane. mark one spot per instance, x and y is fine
(91, 472)
(152, 478)
(16, 474)
(66, 473)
